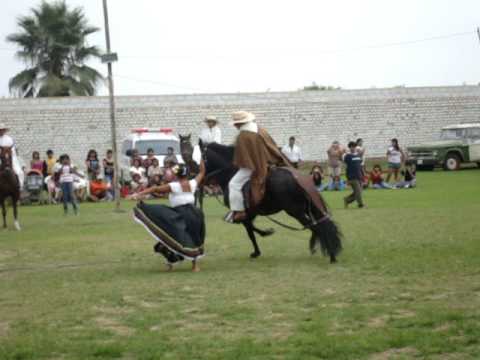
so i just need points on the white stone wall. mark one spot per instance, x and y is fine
(75, 125)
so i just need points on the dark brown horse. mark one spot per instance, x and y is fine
(283, 193)
(9, 185)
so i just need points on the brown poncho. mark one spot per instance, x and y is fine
(257, 152)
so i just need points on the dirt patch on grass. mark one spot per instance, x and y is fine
(392, 354)
(113, 310)
(377, 322)
(114, 326)
(4, 326)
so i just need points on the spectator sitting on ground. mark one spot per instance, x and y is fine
(36, 164)
(149, 159)
(99, 191)
(93, 165)
(334, 153)
(137, 168)
(154, 170)
(317, 176)
(409, 176)
(170, 158)
(80, 185)
(293, 152)
(376, 178)
(139, 183)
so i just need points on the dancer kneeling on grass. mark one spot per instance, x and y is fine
(179, 229)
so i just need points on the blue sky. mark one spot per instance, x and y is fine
(229, 46)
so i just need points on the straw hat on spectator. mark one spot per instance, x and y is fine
(3, 126)
(242, 117)
(211, 118)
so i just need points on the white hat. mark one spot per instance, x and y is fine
(211, 118)
(242, 117)
(3, 126)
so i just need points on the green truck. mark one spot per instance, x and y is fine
(457, 144)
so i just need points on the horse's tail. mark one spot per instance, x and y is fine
(328, 236)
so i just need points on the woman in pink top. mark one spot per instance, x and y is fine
(36, 163)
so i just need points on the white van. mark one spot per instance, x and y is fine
(143, 139)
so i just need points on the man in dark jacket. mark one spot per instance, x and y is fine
(353, 161)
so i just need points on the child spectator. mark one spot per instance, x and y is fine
(376, 178)
(137, 168)
(36, 164)
(154, 170)
(49, 164)
(66, 174)
(149, 159)
(170, 158)
(109, 171)
(134, 156)
(139, 183)
(409, 176)
(317, 176)
(93, 165)
(334, 164)
(354, 175)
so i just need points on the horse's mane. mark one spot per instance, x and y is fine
(223, 151)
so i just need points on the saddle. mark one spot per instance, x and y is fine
(304, 181)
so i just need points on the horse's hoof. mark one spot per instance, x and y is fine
(17, 226)
(254, 255)
(333, 261)
(269, 232)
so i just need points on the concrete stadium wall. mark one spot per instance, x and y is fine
(316, 118)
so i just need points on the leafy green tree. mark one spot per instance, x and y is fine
(53, 46)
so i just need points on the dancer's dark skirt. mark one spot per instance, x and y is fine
(179, 231)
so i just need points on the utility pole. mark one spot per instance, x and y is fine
(109, 58)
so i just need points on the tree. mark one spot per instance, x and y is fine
(52, 42)
(315, 87)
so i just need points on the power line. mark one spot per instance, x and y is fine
(333, 51)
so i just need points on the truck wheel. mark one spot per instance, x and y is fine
(452, 162)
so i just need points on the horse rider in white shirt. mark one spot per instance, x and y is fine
(212, 132)
(293, 152)
(6, 141)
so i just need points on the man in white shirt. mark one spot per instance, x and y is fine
(212, 132)
(293, 152)
(6, 141)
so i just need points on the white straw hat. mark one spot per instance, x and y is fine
(3, 126)
(242, 117)
(211, 118)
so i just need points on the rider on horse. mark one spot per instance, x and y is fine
(7, 142)
(255, 153)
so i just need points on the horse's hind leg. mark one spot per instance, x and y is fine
(251, 234)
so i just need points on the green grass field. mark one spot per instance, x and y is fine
(406, 286)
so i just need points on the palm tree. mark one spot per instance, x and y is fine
(52, 42)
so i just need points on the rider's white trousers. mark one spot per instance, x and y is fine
(235, 189)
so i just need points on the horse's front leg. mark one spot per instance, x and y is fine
(251, 234)
(15, 213)
(4, 213)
